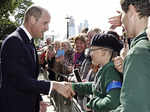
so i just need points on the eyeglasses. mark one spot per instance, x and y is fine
(91, 50)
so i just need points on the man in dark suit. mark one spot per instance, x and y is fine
(20, 68)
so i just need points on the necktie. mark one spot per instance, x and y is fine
(33, 49)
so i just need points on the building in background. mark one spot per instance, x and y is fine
(82, 25)
(72, 30)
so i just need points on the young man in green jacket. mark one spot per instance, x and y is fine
(107, 84)
(135, 89)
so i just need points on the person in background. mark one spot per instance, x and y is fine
(57, 45)
(85, 30)
(86, 65)
(62, 71)
(20, 67)
(80, 46)
(136, 72)
(91, 33)
(48, 41)
(42, 54)
(50, 62)
(68, 57)
(107, 84)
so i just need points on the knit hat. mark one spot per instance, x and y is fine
(106, 41)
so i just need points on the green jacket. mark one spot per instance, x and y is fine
(135, 90)
(105, 89)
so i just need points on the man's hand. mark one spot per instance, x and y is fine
(115, 21)
(64, 89)
(125, 49)
(118, 62)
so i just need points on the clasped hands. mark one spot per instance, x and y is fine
(64, 88)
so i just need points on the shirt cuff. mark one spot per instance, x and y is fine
(51, 86)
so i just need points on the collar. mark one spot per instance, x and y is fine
(141, 36)
(110, 63)
(26, 31)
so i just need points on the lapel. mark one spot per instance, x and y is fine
(27, 45)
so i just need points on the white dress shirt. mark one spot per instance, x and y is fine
(30, 37)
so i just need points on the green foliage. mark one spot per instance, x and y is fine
(9, 8)
(6, 8)
(20, 10)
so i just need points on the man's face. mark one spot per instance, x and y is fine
(41, 25)
(128, 20)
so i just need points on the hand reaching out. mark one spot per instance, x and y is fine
(115, 21)
(64, 88)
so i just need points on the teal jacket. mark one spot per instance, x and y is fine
(136, 82)
(105, 89)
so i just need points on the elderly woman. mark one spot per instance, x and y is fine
(107, 84)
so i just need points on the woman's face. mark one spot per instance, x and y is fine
(96, 55)
(56, 46)
(80, 46)
(65, 46)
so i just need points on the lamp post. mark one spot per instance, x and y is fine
(68, 20)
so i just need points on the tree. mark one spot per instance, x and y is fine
(8, 8)
(20, 10)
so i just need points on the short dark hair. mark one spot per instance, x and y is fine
(35, 11)
(142, 6)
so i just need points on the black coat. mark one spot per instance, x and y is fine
(20, 90)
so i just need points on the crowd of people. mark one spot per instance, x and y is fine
(95, 71)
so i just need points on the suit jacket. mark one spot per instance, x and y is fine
(20, 90)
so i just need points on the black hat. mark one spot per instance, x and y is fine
(107, 41)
